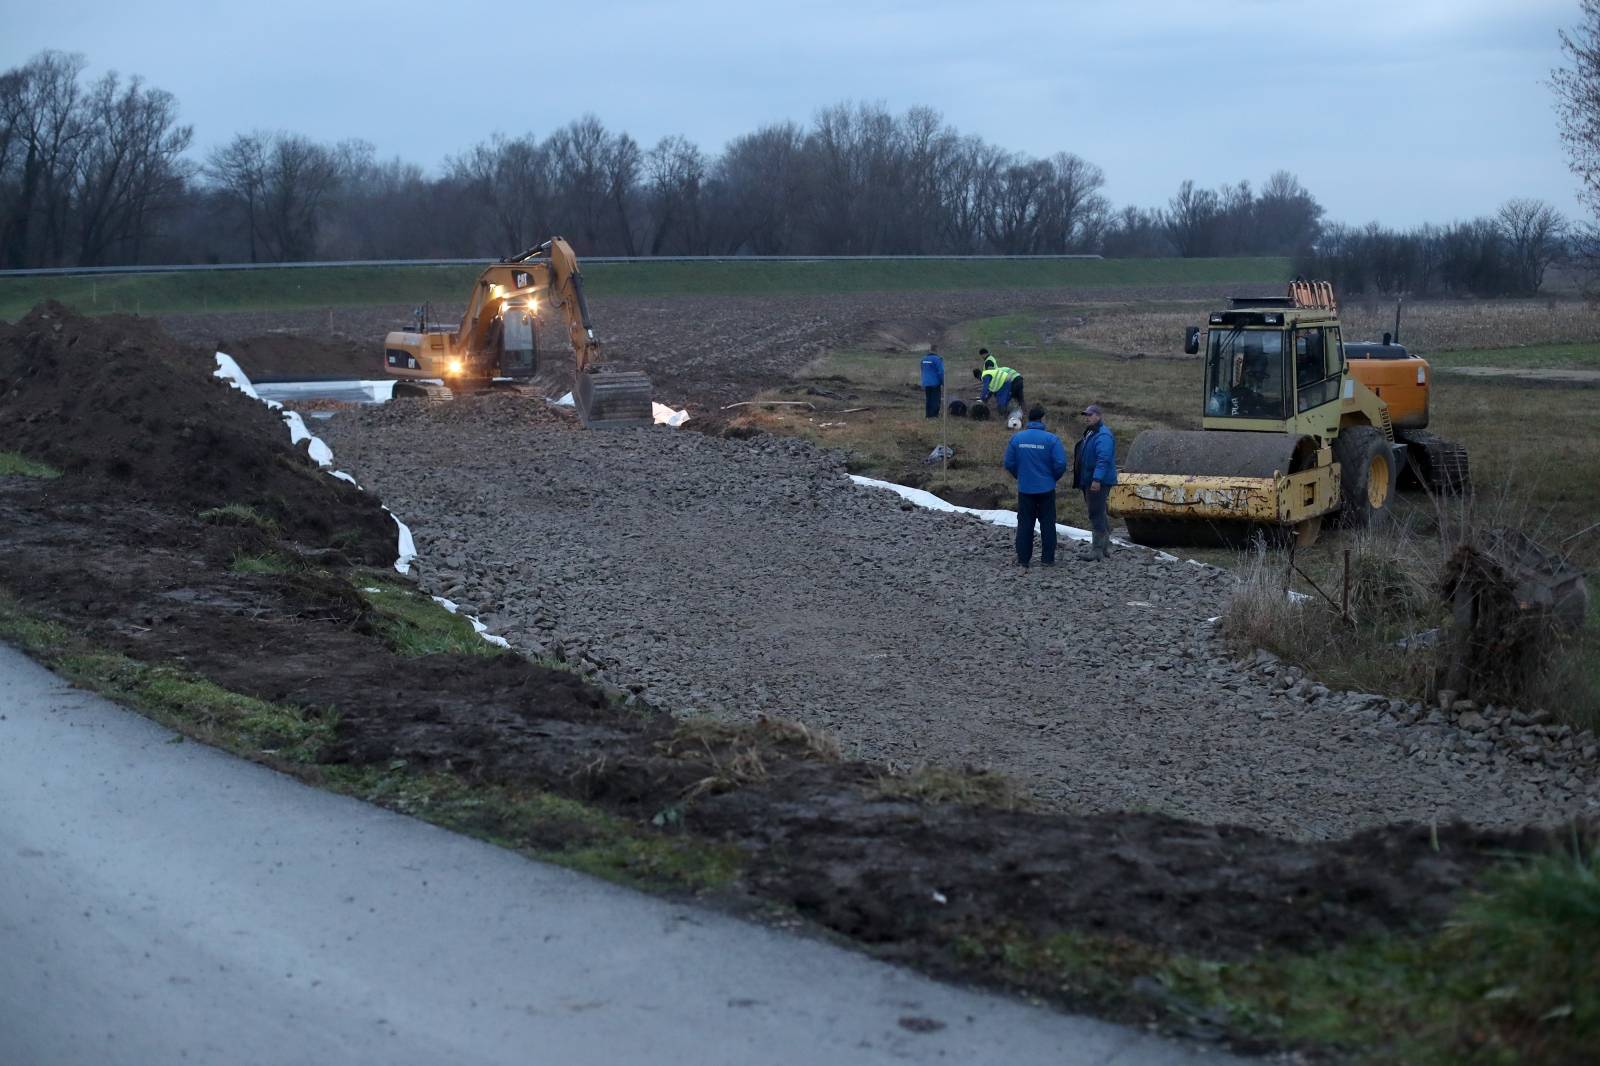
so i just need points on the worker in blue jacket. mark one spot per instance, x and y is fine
(1037, 459)
(932, 382)
(1094, 470)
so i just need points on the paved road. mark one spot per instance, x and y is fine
(163, 902)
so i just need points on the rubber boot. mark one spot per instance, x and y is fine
(1102, 546)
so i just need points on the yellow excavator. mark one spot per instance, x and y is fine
(497, 341)
(1298, 427)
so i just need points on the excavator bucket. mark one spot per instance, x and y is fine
(611, 397)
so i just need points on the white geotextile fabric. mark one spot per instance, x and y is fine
(998, 517)
(229, 371)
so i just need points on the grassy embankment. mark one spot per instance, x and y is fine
(1534, 449)
(302, 288)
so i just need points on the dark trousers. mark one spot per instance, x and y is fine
(1016, 393)
(931, 394)
(1037, 507)
(1096, 502)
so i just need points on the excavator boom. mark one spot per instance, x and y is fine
(497, 339)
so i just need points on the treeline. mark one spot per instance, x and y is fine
(1507, 254)
(98, 173)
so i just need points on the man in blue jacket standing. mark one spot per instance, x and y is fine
(932, 382)
(1094, 470)
(1037, 459)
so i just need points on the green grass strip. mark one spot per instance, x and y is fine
(546, 826)
(412, 624)
(318, 287)
(191, 705)
(1513, 978)
(18, 464)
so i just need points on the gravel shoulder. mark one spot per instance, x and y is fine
(747, 578)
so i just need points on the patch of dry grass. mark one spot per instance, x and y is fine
(1396, 581)
(740, 755)
(934, 785)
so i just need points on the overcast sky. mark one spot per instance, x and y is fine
(1400, 111)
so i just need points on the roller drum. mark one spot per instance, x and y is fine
(1219, 453)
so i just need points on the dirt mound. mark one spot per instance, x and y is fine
(116, 403)
(285, 356)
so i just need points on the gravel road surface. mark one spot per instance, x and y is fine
(744, 578)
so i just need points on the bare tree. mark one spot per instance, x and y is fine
(281, 183)
(1191, 220)
(929, 149)
(1287, 216)
(1235, 223)
(579, 152)
(761, 189)
(300, 175)
(675, 173)
(129, 170)
(1076, 210)
(43, 132)
(1534, 233)
(968, 190)
(1021, 201)
(238, 174)
(1578, 101)
(623, 162)
(514, 180)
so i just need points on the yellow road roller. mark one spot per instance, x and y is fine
(1296, 430)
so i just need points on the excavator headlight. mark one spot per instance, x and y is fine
(455, 366)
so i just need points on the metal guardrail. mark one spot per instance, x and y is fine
(178, 268)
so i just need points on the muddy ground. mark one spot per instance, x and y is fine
(115, 551)
(700, 351)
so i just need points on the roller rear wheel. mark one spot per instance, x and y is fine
(1367, 476)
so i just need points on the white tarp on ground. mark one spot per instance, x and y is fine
(923, 498)
(229, 372)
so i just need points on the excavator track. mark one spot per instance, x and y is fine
(1437, 464)
(427, 391)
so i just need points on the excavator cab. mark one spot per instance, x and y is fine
(519, 344)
